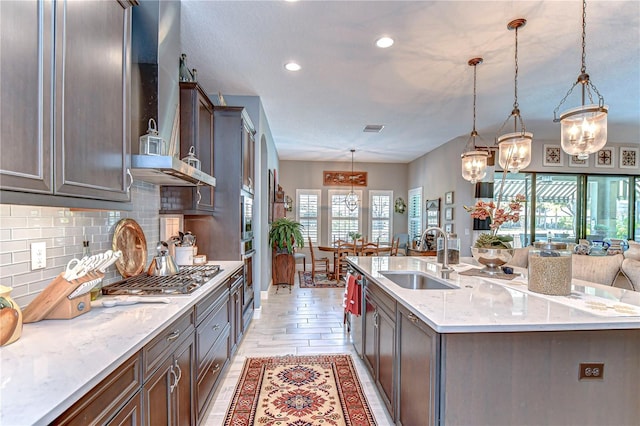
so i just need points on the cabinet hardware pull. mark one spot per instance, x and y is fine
(216, 327)
(412, 318)
(175, 383)
(198, 194)
(375, 318)
(173, 336)
(216, 368)
(130, 180)
(175, 363)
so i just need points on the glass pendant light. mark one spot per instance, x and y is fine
(515, 148)
(474, 161)
(351, 200)
(584, 129)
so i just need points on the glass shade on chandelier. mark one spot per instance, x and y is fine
(514, 151)
(474, 165)
(584, 130)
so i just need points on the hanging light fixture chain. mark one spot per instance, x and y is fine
(474, 99)
(583, 70)
(515, 80)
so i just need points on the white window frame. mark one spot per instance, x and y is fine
(416, 220)
(315, 239)
(344, 192)
(372, 195)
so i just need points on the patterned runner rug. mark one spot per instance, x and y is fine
(299, 391)
(321, 281)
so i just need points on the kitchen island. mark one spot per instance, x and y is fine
(57, 362)
(489, 352)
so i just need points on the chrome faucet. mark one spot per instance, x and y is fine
(446, 269)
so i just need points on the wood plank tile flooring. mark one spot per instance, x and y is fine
(303, 322)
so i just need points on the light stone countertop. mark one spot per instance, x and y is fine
(56, 362)
(480, 304)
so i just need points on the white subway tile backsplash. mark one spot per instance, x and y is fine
(63, 230)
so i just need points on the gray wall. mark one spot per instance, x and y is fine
(381, 176)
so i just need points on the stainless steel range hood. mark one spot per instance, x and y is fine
(168, 170)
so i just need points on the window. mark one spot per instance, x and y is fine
(607, 207)
(380, 216)
(342, 220)
(308, 213)
(415, 213)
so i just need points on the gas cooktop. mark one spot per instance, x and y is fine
(187, 280)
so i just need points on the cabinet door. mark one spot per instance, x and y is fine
(183, 391)
(248, 154)
(26, 141)
(370, 335)
(386, 353)
(168, 393)
(418, 400)
(92, 99)
(131, 413)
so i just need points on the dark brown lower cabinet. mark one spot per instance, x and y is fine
(168, 393)
(131, 413)
(380, 342)
(418, 371)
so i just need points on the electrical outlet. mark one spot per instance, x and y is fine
(38, 255)
(591, 371)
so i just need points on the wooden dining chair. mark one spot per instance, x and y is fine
(394, 247)
(344, 250)
(318, 265)
(370, 249)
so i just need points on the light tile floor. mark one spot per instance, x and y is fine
(303, 322)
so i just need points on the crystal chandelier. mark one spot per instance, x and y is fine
(474, 161)
(515, 148)
(351, 200)
(584, 128)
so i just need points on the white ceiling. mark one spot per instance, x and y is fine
(421, 88)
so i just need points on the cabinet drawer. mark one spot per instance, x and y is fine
(104, 400)
(210, 330)
(166, 342)
(209, 376)
(385, 301)
(211, 302)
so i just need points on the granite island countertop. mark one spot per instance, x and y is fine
(56, 362)
(485, 304)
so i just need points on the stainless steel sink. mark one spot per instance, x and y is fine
(415, 280)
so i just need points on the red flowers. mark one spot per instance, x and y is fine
(498, 215)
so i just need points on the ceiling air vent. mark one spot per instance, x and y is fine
(373, 128)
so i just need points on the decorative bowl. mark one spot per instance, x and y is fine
(492, 258)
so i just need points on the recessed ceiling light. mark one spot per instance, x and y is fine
(384, 42)
(292, 66)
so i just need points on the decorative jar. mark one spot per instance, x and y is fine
(10, 317)
(550, 269)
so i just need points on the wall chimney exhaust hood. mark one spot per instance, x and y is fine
(168, 170)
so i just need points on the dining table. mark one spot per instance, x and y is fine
(382, 248)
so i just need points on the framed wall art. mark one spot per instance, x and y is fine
(628, 158)
(448, 213)
(339, 178)
(448, 228)
(433, 212)
(448, 197)
(574, 161)
(553, 156)
(605, 158)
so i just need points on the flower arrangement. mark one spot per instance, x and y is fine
(354, 235)
(497, 216)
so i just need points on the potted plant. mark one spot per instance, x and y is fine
(285, 234)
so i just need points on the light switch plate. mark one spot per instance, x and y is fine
(38, 255)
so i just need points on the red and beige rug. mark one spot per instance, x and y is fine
(321, 281)
(299, 391)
